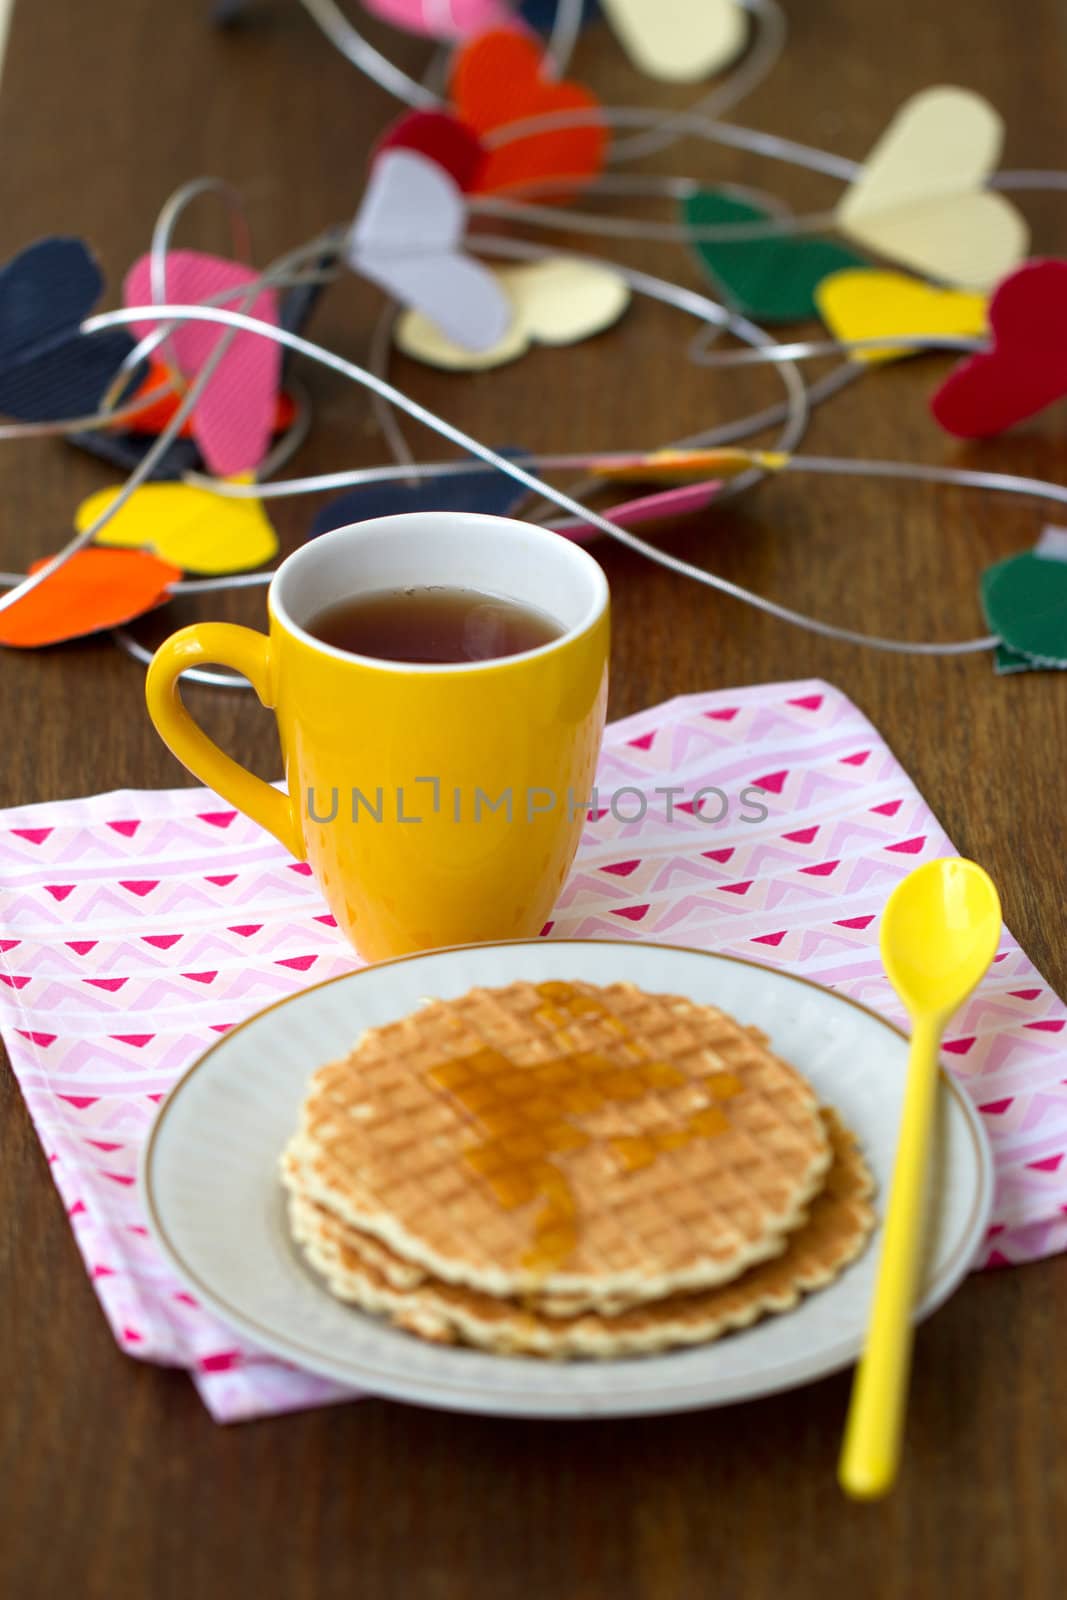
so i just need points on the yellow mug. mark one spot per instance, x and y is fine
(435, 804)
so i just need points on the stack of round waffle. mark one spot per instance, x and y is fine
(558, 1169)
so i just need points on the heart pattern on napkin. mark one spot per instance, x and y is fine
(407, 238)
(233, 419)
(557, 301)
(1025, 370)
(499, 79)
(920, 198)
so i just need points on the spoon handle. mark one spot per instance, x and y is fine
(871, 1448)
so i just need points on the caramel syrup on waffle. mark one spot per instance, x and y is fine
(528, 1113)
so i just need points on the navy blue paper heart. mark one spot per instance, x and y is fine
(48, 369)
(541, 14)
(127, 451)
(491, 492)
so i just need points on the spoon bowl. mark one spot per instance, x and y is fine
(939, 934)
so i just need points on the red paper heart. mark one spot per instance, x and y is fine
(441, 137)
(498, 79)
(1025, 370)
(95, 589)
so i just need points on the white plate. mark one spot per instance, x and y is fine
(215, 1204)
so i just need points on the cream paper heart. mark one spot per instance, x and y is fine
(557, 301)
(408, 238)
(679, 41)
(919, 199)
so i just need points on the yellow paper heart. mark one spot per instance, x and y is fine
(920, 198)
(195, 529)
(558, 301)
(863, 303)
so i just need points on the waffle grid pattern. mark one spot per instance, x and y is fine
(386, 1149)
(360, 1270)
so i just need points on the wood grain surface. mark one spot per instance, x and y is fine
(115, 1483)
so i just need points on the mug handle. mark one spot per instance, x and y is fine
(248, 652)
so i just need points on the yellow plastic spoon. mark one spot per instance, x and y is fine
(939, 932)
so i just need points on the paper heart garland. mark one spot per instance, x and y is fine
(658, 507)
(193, 528)
(49, 370)
(865, 303)
(498, 79)
(541, 14)
(440, 137)
(407, 238)
(494, 494)
(161, 400)
(679, 41)
(773, 278)
(490, 492)
(1025, 370)
(125, 448)
(558, 301)
(1025, 602)
(233, 419)
(442, 19)
(920, 198)
(94, 589)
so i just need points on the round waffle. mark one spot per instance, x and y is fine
(362, 1270)
(591, 1146)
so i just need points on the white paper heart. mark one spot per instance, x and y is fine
(557, 301)
(920, 198)
(407, 238)
(679, 41)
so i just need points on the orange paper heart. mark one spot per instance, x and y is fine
(95, 589)
(497, 79)
(158, 408)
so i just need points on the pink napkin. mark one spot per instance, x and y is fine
(137, 926)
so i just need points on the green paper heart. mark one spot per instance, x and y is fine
(772, 279)
(1025, 602)
(1007, 662)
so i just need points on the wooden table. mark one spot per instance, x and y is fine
(116, 1483)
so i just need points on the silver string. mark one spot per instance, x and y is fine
(112, 416)
(769, 32)
(344, 36)
(166, 223)
(570, 221)
(795, 415)
(559, 47)
(771, 145)
(138, 476)
(160, 444)
(805, 350)
(349, 369)
(381, 341)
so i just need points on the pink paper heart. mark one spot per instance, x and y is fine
(234, 417)
(443, 19)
